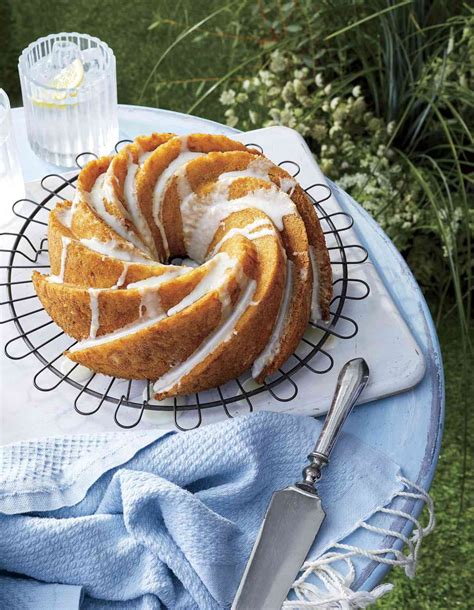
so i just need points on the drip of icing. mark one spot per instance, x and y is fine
(154, 282)
(260, 168)
(121, 280)
(74, 371)
(125, 331)
(247, 232)
(223, 333)
(144, 156)
(96, 200)
(315, 306)
(217, 269)
(288, 185)
(130, 195)
(115, 250)
(201, 218)
(150, 301)
(273, 345)
(65, 216)
(257, 168)
(59, 279)
(184, 157)
(94, 304)
(150, 304)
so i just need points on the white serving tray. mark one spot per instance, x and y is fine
(383, 339)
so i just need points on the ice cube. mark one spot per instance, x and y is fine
(93, 60)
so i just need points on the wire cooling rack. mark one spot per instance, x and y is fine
(47, 342)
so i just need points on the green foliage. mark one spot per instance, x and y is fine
(386, 104)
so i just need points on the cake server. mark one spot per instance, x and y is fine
(295, 514)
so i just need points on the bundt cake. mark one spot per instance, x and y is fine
(257, 269)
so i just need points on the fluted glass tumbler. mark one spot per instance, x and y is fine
(12, 186)
(69, 89)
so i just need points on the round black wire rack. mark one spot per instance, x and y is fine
(47, 342)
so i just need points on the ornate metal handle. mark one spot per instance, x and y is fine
(350, 383)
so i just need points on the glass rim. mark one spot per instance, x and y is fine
(22, 68)
(5, 117)
(8, 108)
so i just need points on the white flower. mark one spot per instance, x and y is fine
(327, 89)
(227, 97)
(319, 80)
(241, 98)
(266, 77)
(253, 116)
(391, 127)
(334, 102)
(278, 62)
(232, 120)
(288, 92)
(299, 87)
(357, 91)
(274, 113)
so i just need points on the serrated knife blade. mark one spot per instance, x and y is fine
(295, 514)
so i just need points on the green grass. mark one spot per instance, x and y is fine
(197, 63)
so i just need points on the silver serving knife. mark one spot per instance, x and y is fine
(295, 514)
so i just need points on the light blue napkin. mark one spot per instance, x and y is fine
(146, 520)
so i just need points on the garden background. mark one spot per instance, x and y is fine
(383, 92)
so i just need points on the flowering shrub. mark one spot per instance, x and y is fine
(355, 147)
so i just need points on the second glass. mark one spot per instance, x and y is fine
(69, 89)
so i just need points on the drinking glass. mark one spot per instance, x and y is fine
(12, 186)
(69, 90)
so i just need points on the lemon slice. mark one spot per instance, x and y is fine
(70, 77)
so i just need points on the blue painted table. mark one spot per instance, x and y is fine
(407, 427)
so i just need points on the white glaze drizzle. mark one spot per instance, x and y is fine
(73, 370)
(217, 269)
(201, 218)
(260, 168)
(315, 305)
(144, 156)
(150, 304)
(247, 232)
(223, 333)
(288, 185)
(123, 276)
(115, 250)
(94, 305)
(129, 329)
(155, 281)
(59, 279)
(131, 198)
(96, 200)
(273, 345)
(160, 187)
(65, 215)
